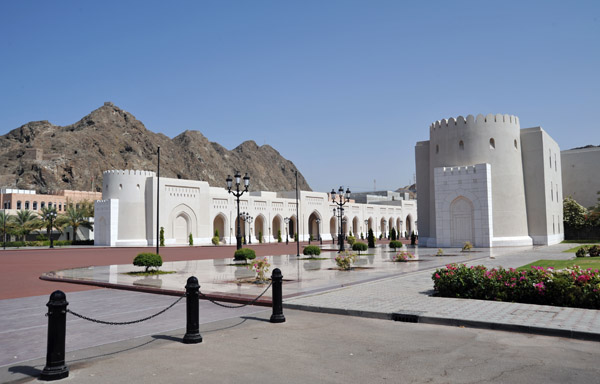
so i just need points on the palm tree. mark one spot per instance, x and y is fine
(75, 217)
(25, 222)
(6, 224)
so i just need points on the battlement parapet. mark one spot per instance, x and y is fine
(471, 120)
(461, 170)
(129, 172)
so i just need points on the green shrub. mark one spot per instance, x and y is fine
(215, 240)
(260, 238)
(279, 235)
(440, 252)
(191, 239)
(41, 237)
(15, 244)
(296, 237)
(594, 251)
(217, 233)
(350, 234)
(393, 234)
(312, 250)
(582, 252)
(395, 244)
(413, 238)
(351, 240)
(162, 236)
(371, 239)
(358, 246)
(362, 236)
(310, 238)
(62, 243)
(79, 242)
(148, 260)
(244, 254)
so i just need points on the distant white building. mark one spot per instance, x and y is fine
(126, 215)
(487, 181)
(581, 175)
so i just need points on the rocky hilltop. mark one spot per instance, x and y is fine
(46, 157)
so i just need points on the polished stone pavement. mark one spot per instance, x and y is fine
(223, 278)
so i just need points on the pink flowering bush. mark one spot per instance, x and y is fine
(261, 267)
(345, 260)
(403, 256)
(573, 287)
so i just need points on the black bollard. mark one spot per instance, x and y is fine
(192, 334)
(56, 368)
(277, 279)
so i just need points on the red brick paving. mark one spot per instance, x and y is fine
(21, 268)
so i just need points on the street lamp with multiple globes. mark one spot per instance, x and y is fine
(50, 215)
(319, 230)
(248, 219)
(237, 194)
(287, 221)
(341, 201)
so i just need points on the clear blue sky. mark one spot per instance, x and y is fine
(344, 89)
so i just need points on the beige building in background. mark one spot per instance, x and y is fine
(581, 175)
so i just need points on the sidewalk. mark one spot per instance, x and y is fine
(408, 298)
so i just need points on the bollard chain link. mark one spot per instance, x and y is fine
(236, 306)
(125, 322)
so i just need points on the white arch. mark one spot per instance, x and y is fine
(185, 212)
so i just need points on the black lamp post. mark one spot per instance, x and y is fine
(51, 215)
(237, 194)
(319, 231)
(366, 228)
(287, 230)
(248, 219)
(342, 200)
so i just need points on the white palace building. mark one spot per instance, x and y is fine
(126, 215)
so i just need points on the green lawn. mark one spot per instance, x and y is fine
(579, 241)
(583, 262)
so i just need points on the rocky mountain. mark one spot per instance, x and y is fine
(46, 157)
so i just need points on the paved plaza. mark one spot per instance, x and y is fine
(379, 289)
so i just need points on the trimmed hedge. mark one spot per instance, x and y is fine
(395, 244)
(358, 246)
(244, 254)
(311, 250)
(215, 240)
(148, 260)
(573, 287)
